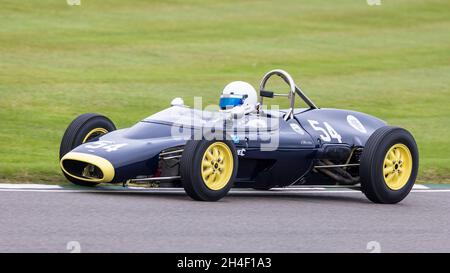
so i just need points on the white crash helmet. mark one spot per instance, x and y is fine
(238, 93)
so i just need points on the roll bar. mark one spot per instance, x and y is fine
(294, 89)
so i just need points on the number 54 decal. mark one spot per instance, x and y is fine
(327, 133)
(108, 146)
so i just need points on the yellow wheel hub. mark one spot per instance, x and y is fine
(94, 133)
(397, 166)
(217, 166)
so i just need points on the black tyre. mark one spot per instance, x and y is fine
(84, 128)
(208, 169)
(388, 165)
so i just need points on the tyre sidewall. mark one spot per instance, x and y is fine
(381, 189)
(75, 133)
(198, 185)
(97, 122)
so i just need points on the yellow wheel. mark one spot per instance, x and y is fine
(217, 166)
(94, 133)
(208, 169)
(397, 166)
(388, 165)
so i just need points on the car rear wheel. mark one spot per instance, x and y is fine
(208, 169)
(85, 128)
(389, 164)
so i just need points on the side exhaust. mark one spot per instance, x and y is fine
(87, 167)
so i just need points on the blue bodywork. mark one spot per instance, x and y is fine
(301, 141)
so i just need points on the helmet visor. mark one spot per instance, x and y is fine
(230, 101)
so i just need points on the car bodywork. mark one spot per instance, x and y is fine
(313, 145)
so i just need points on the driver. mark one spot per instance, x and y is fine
(239, 94)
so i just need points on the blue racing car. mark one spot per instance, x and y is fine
(243, 142)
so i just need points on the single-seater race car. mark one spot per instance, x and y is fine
(244, 144)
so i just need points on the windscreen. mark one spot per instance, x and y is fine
(195, 118)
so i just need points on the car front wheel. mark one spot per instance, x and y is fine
(208, 169)
(85, 128)
(388, 165)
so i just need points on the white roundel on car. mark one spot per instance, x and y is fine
(355, 123)
(297, 129)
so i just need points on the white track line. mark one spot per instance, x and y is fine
(181, 191)
(292, 188)
(29, 186)
(420, 187)
(297, 189)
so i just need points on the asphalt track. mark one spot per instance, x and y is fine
(36, 218)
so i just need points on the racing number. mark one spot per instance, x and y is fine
(328, 132)
(106, 145)
(333, 132)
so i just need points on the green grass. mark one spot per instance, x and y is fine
(128, 59)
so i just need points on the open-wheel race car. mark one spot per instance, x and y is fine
(244, 144)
